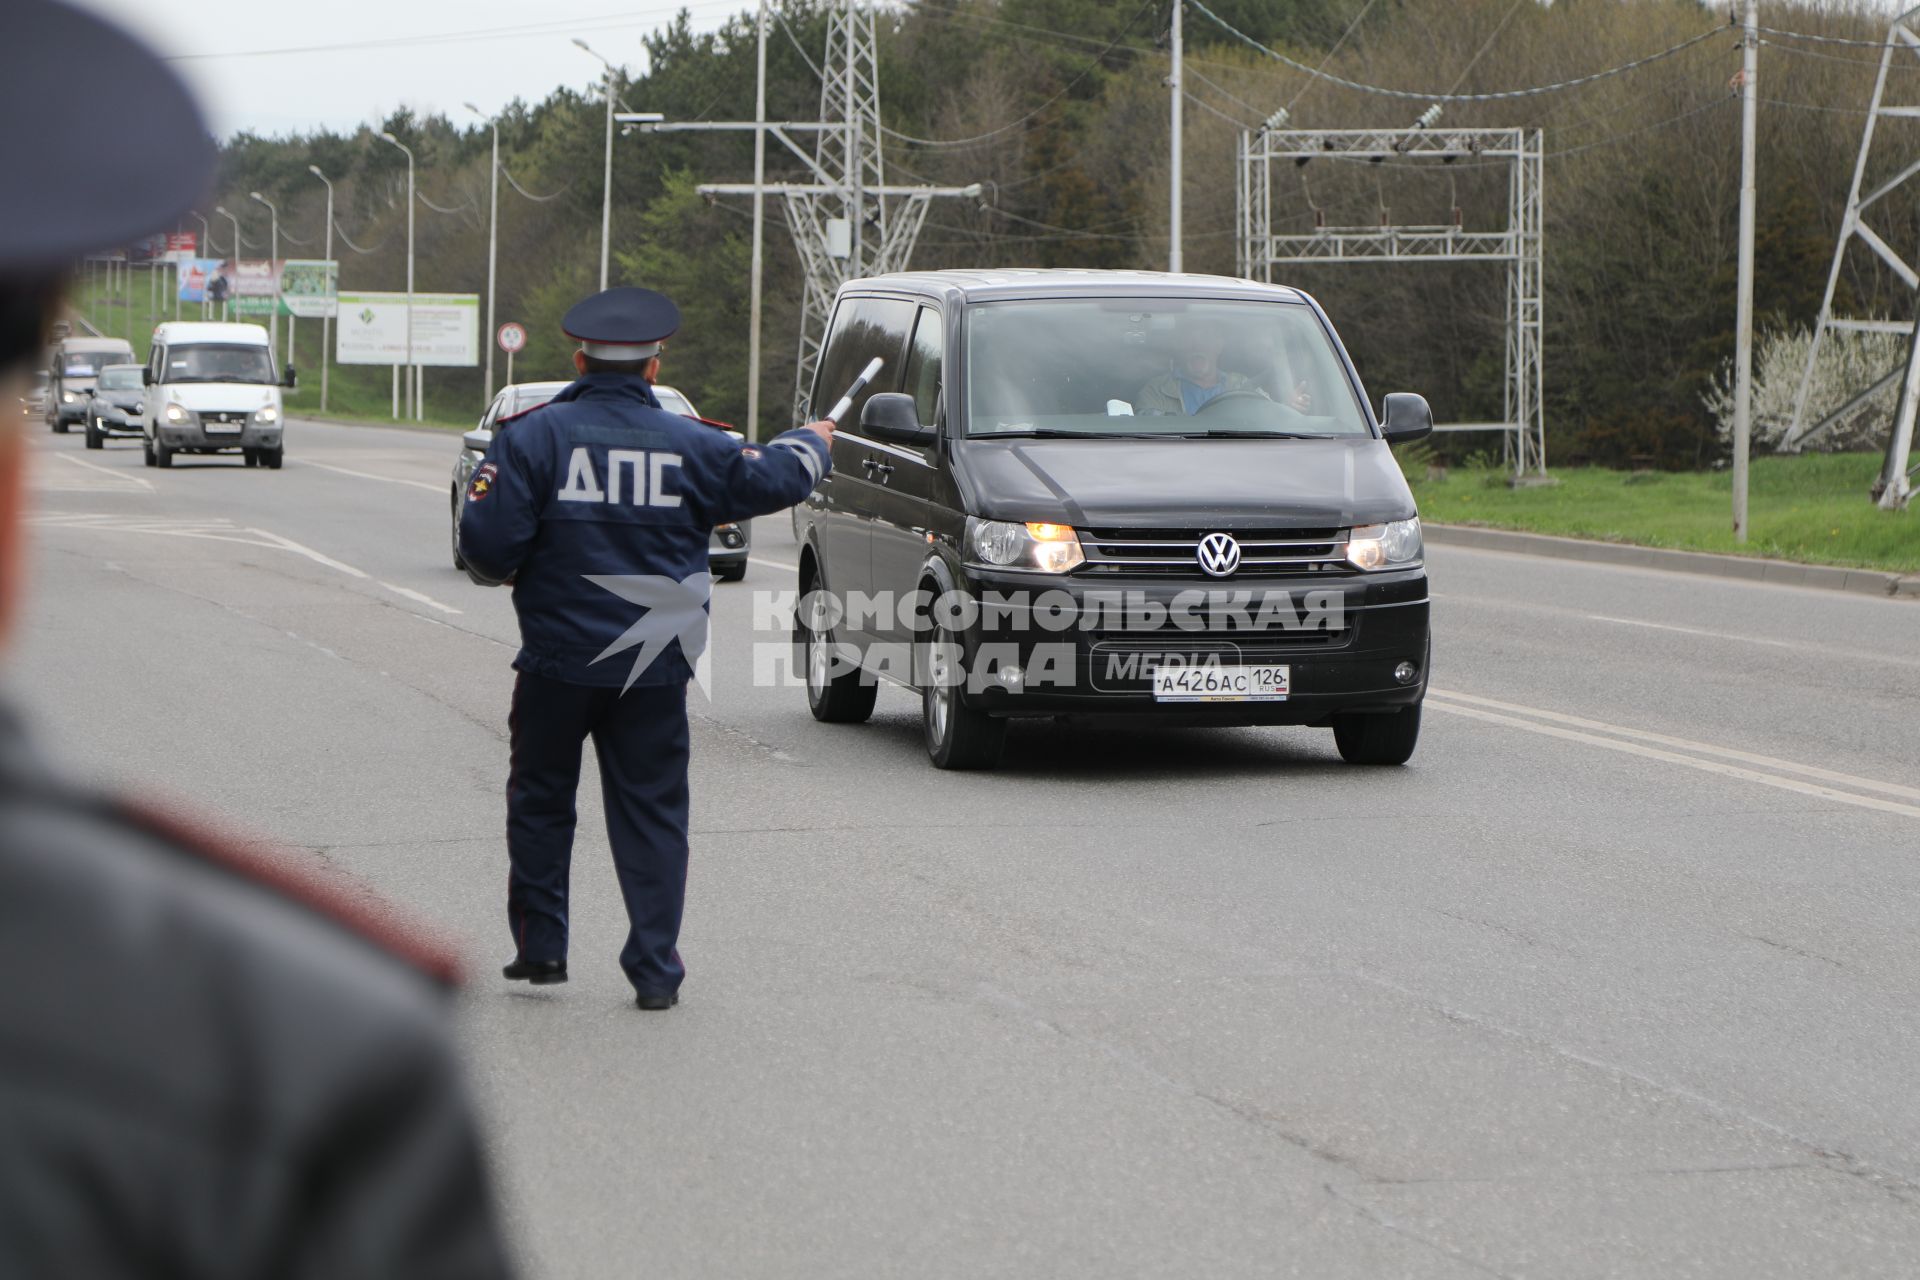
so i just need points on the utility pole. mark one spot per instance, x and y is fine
(326, 317)
(493, 242)
(759, 235)
(273, 259)
(413, 373)
(606, 197)
(1174, 82)
(1743, 323)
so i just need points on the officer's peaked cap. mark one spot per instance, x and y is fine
(622, 324)
(99, 139)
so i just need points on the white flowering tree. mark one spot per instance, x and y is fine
(1849, 362)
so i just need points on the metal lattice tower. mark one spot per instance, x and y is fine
(1895, 485)
(1518, 244)
(848, 222)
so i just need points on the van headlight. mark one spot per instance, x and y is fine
(1393, 545)
(1047, 548)
(68, 397)
(267, 416)
(177, 415)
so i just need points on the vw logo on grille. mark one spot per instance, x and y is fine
(1219, 555)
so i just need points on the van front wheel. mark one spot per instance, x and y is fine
(1376, 738)
(958, 737)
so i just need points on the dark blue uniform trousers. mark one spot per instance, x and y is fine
(640, 738)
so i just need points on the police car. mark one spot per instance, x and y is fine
(1111, 492)
(727, 548)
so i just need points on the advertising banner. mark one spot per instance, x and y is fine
(308, 287)
(372, 329)
(254, 287)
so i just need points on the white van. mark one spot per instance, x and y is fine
(213, 389)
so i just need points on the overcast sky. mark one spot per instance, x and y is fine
(487, 52)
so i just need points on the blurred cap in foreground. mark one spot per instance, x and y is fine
(100, 142)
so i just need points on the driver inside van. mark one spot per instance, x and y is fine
(1196, 378)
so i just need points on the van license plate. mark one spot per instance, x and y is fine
(1221, 684)
(217, 428)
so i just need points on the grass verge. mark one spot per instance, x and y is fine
(1811, 508)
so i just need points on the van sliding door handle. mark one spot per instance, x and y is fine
(884, 468)
(867, 465)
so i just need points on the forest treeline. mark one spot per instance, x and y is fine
(1060, 109)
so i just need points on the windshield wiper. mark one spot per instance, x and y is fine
(1065, 433)
(1222, 434)
(231, 377)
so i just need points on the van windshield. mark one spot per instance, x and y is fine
(1107, 367)
(219, 362)
(85, 364)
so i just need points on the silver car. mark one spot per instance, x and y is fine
(727, 548)
(116, 404)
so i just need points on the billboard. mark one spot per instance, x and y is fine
(303, 287)
(372, 329)
(308, 287)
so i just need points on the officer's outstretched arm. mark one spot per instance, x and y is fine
(759, 480)
(502, 511)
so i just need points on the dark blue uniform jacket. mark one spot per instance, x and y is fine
(598, 506)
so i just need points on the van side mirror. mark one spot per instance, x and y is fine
(291, 381)
(146, 376)
(1405, 417)
(891, 415)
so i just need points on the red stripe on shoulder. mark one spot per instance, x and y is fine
(359, 913)
(515, 417)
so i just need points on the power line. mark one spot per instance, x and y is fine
(1810, 106)
(1804, 35)
(1351, 27)
(1474, 61)
(1612, 138)
(459, 208)
(508, 175)
(551, 26)
(1503, 95)
(1223, 91)
(1839, 57)
(1092, 64)
(348, 240)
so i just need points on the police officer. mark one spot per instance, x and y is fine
(210, 1063)
(597, 507)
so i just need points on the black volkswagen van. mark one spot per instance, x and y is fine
(1090, 492)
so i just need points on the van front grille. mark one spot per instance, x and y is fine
(1174, 553)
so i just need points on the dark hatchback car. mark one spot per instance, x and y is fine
(1090, 493)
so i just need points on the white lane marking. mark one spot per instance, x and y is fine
(218, 530)
(773, 564)
(1684, 744)
(1690, 762)
(418, 597)
(55, 481)
(288, 544)
(1689, 631)
(1798, 646)
(368, 475)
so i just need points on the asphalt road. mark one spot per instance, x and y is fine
(1616, 978)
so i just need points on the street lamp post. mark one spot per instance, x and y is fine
(222, 211)
(413, 373)
(326, 317)
(273, 258)
(206, 248)
(606, 195)
(493, 239)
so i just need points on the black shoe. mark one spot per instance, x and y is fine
(539, 972)
(654, 1001)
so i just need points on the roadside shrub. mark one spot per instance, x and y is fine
(1847, 364)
